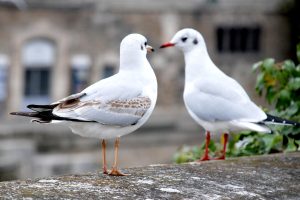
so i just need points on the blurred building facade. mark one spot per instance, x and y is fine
(52, 48)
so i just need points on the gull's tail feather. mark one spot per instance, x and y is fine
(26, 114)
(280, 121)
(43, 114)
(40, 116)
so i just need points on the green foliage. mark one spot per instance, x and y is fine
(252, 143)
(189, 154)
(243, 144)
(279, 84)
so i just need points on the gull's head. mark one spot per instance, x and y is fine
(186, 40)
(135, 44)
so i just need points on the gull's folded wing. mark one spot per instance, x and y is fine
(223, 100)
(117, 112)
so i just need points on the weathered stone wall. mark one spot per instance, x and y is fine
(261, 177)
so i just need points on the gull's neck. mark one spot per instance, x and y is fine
(136, 67)
(130, 60)
(198, 64)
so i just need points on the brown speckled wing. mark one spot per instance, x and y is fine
(136, 106)
(119, 112)
(69, 99)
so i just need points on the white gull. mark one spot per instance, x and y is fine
(111, 107)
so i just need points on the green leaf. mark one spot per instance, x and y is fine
(268, 64)
(268, 140)
(298, 52)
(289, 65)
(256, 65)
(294, 83)
(212, 146)
(291, 145)
(271, 94)
(284, 94)
(293, 109)
(260, 83)
(297, 71)
(283, 99)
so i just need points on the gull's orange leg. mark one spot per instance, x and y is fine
(115, 171)
(225, 140)
(103, 144)
(207, 140)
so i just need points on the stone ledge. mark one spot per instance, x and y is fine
(260, 177)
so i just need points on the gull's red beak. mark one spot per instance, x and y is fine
(168, 44)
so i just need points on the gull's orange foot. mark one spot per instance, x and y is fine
(105, 171)
(116, 172)
(204, 158)
(220, 158)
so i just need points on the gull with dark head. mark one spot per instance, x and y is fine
(111, 107)
(214, 100)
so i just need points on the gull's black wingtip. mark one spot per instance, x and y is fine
(277, 120)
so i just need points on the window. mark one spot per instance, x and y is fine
(38, 52)
(37, 82)
(4, 62)
(38, 58)
(239, 39)
(108, 71)
(80, 65)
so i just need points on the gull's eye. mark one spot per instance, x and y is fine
(145, 43)
(183, 39)
(195, 41)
